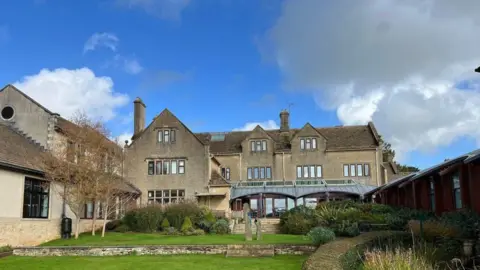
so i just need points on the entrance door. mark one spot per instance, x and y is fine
(268, 207)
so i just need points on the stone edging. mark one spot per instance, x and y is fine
(328, 256)
(154, 250)
(5, 254)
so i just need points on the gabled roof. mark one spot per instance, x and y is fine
(169, 113)
(304, 127)
(18, 152)
(339, 138)
(217, 180)
(27, 97)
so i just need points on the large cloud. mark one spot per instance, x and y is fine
(68, 91)
(402, 63)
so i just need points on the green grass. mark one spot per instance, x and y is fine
(179, 262)
(131, 239)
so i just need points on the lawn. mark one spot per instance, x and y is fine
(179, 262)
(131, 239)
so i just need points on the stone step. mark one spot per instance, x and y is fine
(250, 251)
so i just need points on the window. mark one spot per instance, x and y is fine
(167, 136)
(150, 168)
(165, 167)
(319, 171)
(356, 170)
(174, 167)
(259, 173)
(7, 113)
(181, 166)
(258, 146)
(352, 170)
(165, 196)
(367, 169)
(226, 173)
(309, 171)
(457, 194)
(158, 167)
(90, 208)
(308, 143)
(432, 195)
(359, 169)
(36, 198)
(345, 170)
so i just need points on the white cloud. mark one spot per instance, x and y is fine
(164, 9)
(107, 40)
(68, 91)
(396, 62)
(130, 65)
(270, 124)
(120, 139)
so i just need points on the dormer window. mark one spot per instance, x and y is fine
(166, 136)
(308, 143)
(258, 145)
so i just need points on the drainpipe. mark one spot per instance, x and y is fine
(283, 166)
(240, 166)
(64, 202)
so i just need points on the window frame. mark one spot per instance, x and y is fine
(264, 145)
(181, 166)
(314, 143)
(302, 144)
(359, 172)
(431, 194)
(158, 196)
(160, 136)
(174, 161)
(346, 168)
(255, 173)
(41, 194)
(457, 190)
(268, 172)
(151, 167)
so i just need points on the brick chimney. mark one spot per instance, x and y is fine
(139, 116)
(284, 123)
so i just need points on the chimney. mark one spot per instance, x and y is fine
(284, 125)
(139, 116)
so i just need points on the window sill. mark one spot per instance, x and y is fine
(35, 219)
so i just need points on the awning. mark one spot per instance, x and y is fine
(211, 194)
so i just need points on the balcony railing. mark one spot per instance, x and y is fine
(303, 182)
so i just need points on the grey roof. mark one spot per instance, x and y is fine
(473, 156)
(297, 191)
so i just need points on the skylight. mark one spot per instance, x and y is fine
(218, 137)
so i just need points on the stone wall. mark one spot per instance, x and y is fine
(150, 250)
(23, 232)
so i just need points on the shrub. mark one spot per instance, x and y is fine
(394, 259)
(5, 249)
(146, 219)
(320, 236)
(187, 225)
(329, 215)
(122, 228)
(347, 228)
(395, 223)
(112, 225)
(194, 232)
(220, 227)
(465, 222)
(432, 229)
(298, 220)
(177, 212)
(165, 224)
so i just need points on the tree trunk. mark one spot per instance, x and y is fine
(94, 217)
(77, 227)
(105, 215)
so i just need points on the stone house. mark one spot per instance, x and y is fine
(274, 170)
(32, 207)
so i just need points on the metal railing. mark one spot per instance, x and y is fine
(293, 183)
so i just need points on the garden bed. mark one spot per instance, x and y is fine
(330, 255)
(198, 262)
(136, 239)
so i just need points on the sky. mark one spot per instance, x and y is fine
(223, 65)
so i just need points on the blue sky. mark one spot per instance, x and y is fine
(218, 65)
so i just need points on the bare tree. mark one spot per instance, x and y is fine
(76, 163)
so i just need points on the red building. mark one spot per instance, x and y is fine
(448, 186)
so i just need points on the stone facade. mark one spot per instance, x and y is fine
(158, 250)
